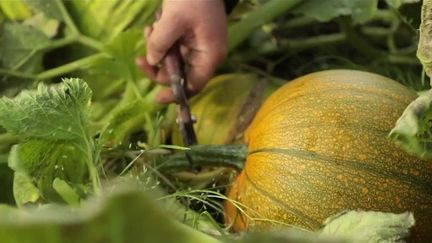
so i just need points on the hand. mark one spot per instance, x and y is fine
(200, 28)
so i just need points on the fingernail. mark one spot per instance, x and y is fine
(151, 60)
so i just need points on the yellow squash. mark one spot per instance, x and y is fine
(222, 104)
(319, 146)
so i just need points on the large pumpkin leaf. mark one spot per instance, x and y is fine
(350, 226)
(425, 38)
(124, 214)
(51, 8)
(20, 47)
(57, 112)
(104, 20)
(290, 235)
(44, 161)
(360, 10)
(53, 120)
(241, 30)
(413, 129)
(360, 226)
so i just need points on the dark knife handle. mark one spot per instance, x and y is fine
(174, 66)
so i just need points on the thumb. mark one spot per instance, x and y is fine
(165, 33)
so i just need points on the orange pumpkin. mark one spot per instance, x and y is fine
(319, 145)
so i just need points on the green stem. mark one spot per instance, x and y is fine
(306, 43)
(203, 176)
(87, 146)
(293, 46)
(267, 75)
(87, 41)
(66, 17)
(131, 84)
(387, 16)
(8, 139)
(90, 42)
(233, 156)
(59, 43)
(240, 31)
(91, 164)
(297, 22)
(17, 74)
(400, 59)
(357, 41)
(376, 31)
(69, 67)
(301, 21)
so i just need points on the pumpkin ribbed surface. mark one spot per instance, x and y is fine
(319, 145)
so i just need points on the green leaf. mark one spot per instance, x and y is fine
(57, 112)
(104, 20)
(243, 29)
(413, 130)
(49, 7)
(360, 226)
(425, 39)
(125, 214)
(15, 10)
(54, 122)
(109, 74)
(323, 11)
(131, 115)
(44, 161)
(124, 121)
(20, 47)
(122, 51)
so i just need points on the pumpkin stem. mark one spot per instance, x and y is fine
(231, 155)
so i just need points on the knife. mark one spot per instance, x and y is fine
(175, 69)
